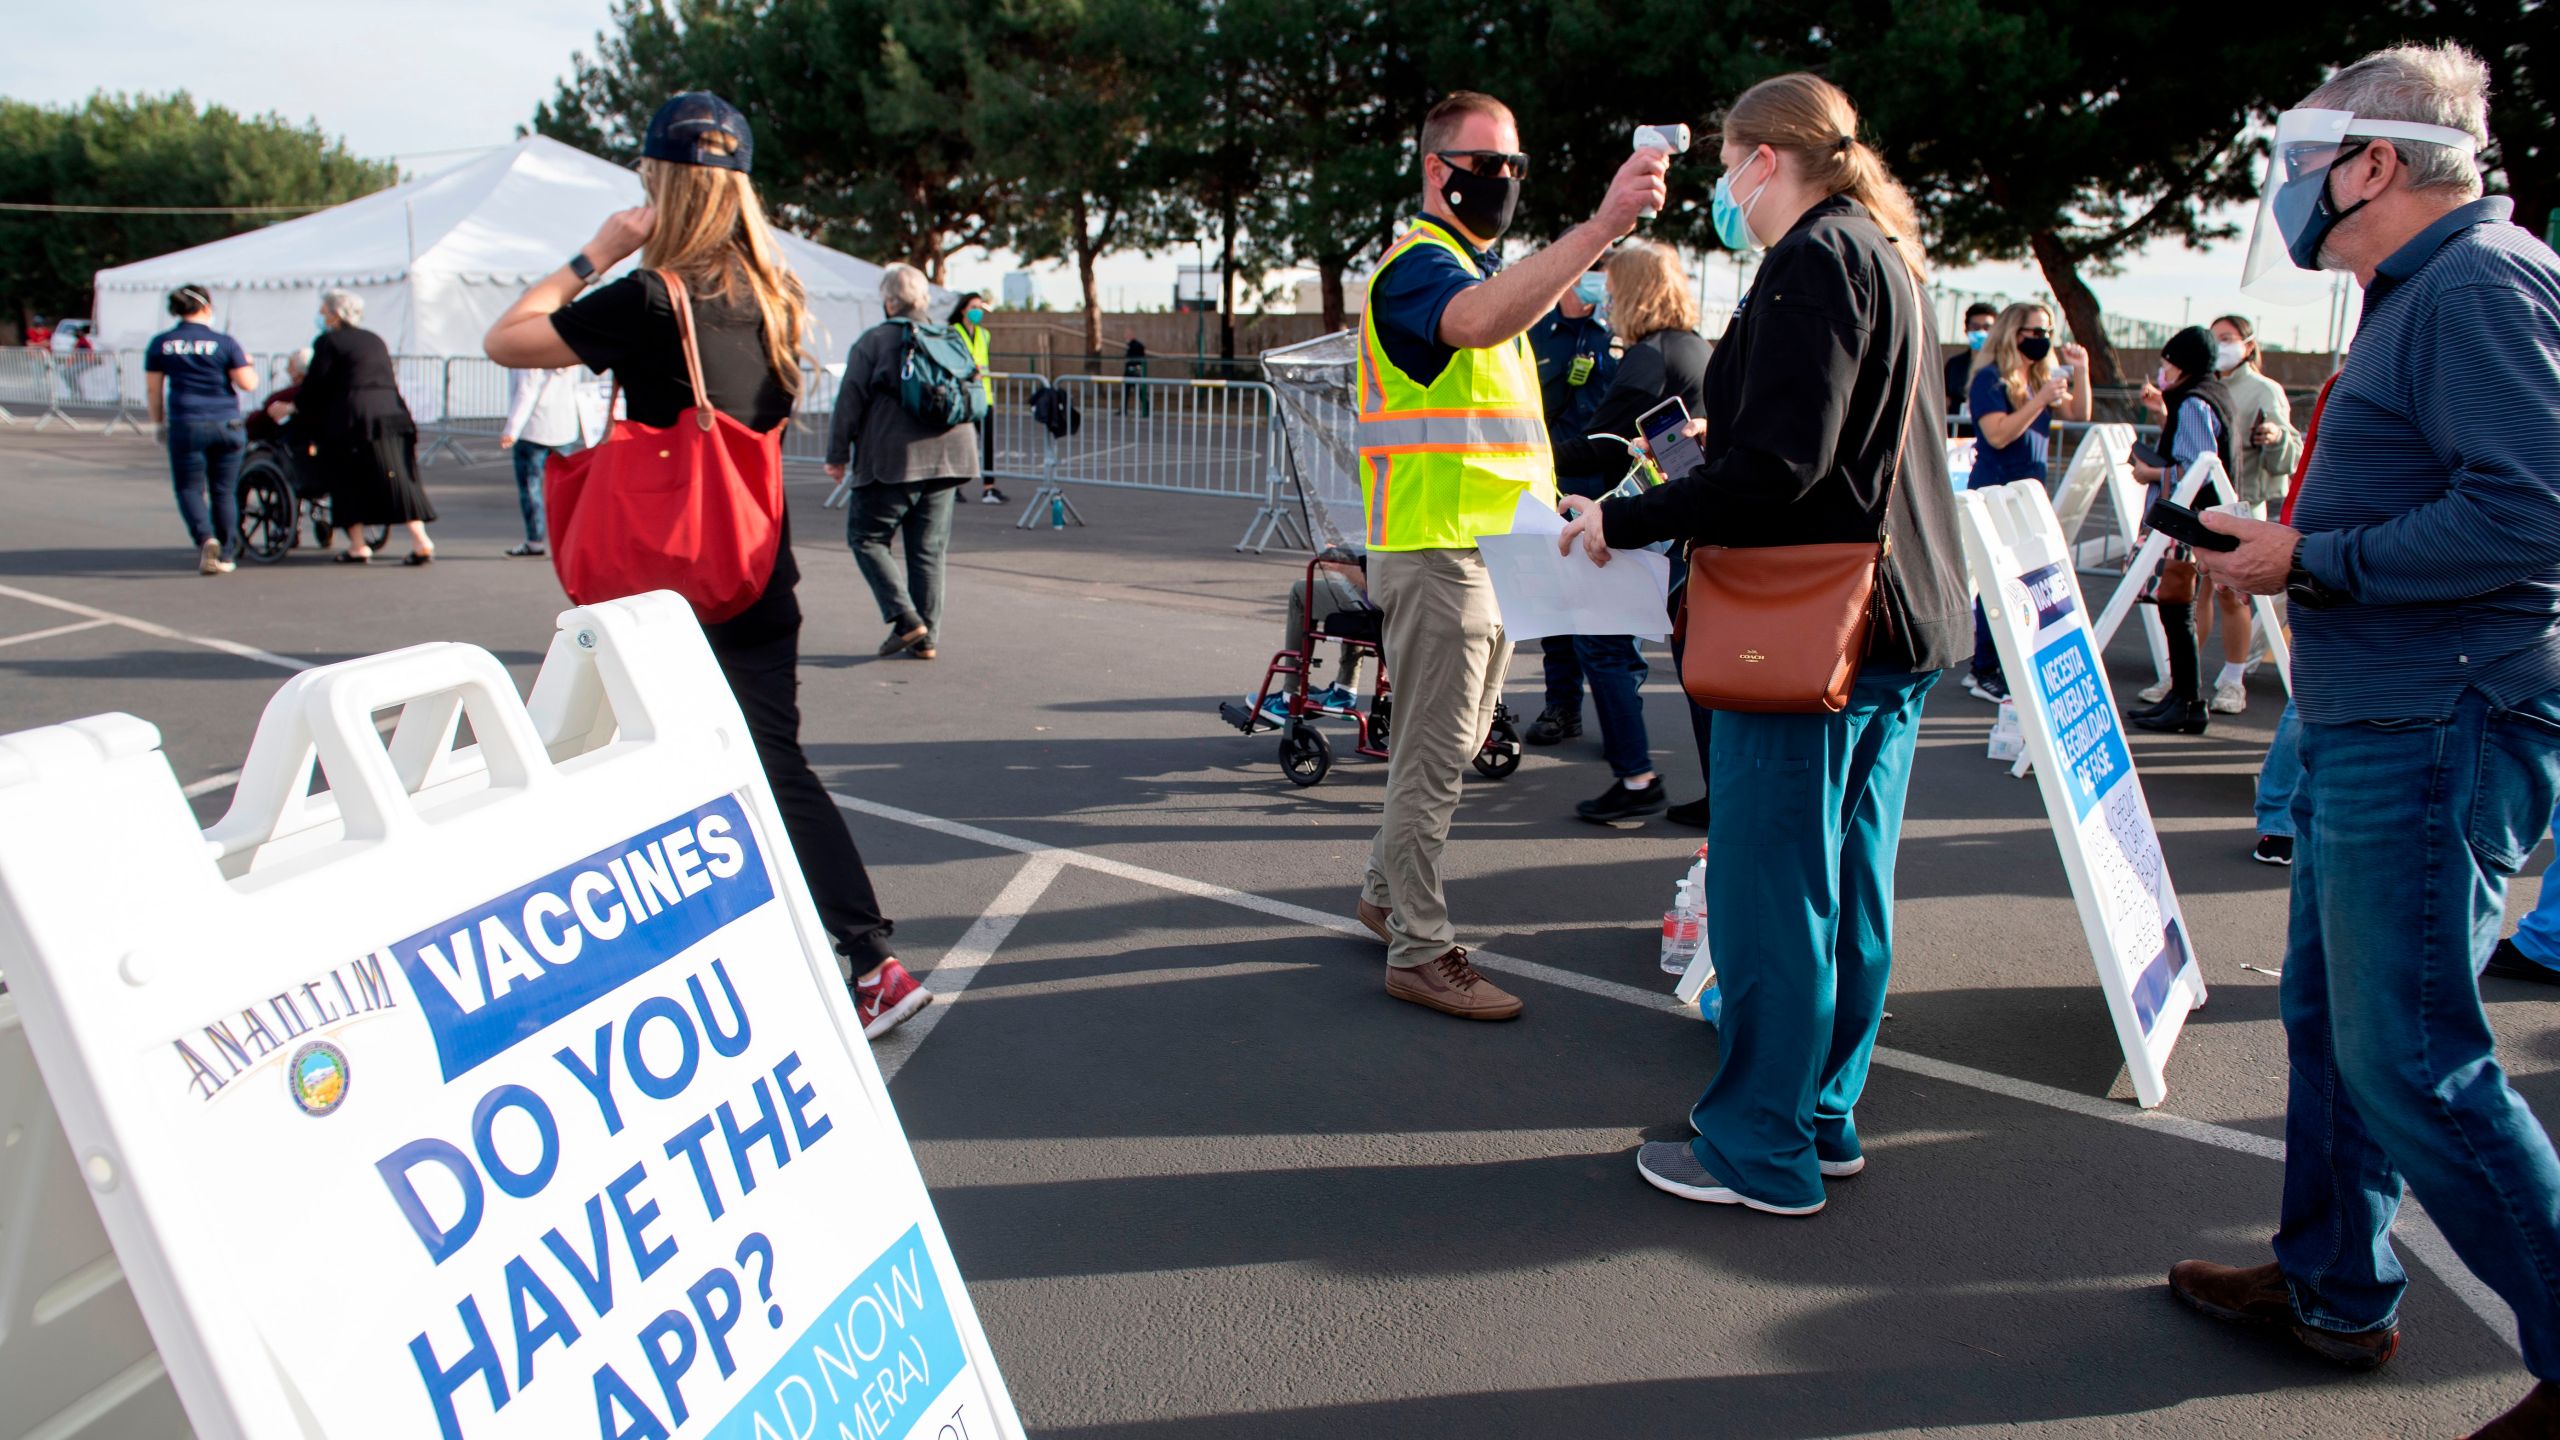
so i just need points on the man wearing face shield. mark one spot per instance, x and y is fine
(1452, 435)
(2423, 564)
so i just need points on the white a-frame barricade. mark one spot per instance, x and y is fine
(2146, 563)
(503, 1086)
(2101, 822)
(2104, 465)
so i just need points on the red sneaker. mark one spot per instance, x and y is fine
(886, 999)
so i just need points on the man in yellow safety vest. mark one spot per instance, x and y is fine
(1452, 434)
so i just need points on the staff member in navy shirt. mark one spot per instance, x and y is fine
(2015, 390)
(2423, 564)
(197, 376)
(1575, 367)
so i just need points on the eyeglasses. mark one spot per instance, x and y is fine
(1501, 162)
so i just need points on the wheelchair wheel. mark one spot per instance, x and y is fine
(269, 521)
(1305, 755)
(1501, 753)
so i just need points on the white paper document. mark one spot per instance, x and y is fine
(1543, 593)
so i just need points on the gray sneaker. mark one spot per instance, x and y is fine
(1671, 1166)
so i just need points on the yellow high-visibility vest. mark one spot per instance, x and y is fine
(977, 338)
(1443, 463)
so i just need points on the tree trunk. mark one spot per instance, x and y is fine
(2080, 308)
(1087, 251)
(1329, 281)
(1227, 282)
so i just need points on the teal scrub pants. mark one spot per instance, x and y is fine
(1806, 816)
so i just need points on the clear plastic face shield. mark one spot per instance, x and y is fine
(2295, 213)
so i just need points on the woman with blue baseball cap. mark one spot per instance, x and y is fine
(704, 225)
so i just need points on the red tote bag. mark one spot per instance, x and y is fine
(694, 507)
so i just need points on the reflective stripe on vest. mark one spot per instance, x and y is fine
(1446, 462)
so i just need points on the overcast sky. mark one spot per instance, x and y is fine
(417, 80)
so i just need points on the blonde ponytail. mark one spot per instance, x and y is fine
(1812, 119)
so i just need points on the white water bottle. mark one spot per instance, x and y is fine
(1680, 931)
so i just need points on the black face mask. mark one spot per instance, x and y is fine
(1482, 203)
(2034, 348)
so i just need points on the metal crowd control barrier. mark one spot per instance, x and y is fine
(1187, 437)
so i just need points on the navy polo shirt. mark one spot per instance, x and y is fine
(2433, 495)
(1557, 342)
(2020, 459)
(198, 360)
(1406, 298)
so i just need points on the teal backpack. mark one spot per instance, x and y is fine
(938, 377)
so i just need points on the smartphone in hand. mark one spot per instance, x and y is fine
(2184, 525)
(1665, 428)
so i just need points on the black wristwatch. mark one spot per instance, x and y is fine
(583, 268)
(2307, 590)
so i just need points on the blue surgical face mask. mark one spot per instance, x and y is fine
(976, 315)
(1733, 218)
(1591, 289)
(1975, 339)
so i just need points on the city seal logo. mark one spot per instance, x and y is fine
(317, 1076)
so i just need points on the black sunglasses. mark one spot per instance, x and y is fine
(2037, 332)
(1503, 162)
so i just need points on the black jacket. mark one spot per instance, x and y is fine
(1661, 365)
(1829, 363)
(352, 390)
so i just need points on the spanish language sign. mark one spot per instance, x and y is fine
(2101, 821)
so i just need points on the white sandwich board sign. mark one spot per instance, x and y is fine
(2147, 557)
(2129, 909)
(500, 1089)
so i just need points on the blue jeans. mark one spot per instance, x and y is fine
(2279, 775)
(529, 458)
(2406, 834)
(1805, 821)
(1617, 671)
(1564, 675)
(2538, 934)
(204, 463)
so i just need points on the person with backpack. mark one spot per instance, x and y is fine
(906, 423)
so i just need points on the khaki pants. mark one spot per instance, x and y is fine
(1446, 656)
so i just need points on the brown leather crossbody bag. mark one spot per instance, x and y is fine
(1783, 629)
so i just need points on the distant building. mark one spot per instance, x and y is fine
(1021, 291)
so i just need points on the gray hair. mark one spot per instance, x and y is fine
(299, 362)
(344, 306)
(2430, 84)
(903, 290)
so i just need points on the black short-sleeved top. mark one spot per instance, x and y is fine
(629, 328)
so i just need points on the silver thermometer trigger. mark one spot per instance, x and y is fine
(1669, 139)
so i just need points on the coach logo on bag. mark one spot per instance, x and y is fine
(1751, 657)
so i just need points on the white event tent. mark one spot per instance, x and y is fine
(436, 260)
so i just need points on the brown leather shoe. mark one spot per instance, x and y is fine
(2536, 1415)
(1452, 985)
(1375, 917)
(2257, 1296)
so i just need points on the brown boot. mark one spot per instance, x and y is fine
(1375, 917)
(1452, 985)
(2536, 1415)
(2257, 1296)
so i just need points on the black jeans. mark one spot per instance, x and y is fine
(765, 676)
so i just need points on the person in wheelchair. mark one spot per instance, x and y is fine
(1342, 610)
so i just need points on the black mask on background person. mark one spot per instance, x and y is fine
(2034, 348)
(1482, 203)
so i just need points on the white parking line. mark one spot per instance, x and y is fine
(2423, 1239)
(72, 629)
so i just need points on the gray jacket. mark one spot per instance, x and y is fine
(887, 445)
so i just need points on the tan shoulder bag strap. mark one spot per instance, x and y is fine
(703, 410)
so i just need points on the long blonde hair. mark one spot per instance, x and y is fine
(1999, 352)
(1812, 119)
(1647, 293)
(711, 230)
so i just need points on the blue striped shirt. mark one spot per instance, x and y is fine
(2433, 497)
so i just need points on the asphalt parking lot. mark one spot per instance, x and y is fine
(1206, 1179)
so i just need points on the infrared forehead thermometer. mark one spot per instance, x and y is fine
(1669, 139)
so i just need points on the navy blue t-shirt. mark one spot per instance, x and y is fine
(1407, 297)
(2020, 459)
(198, 360)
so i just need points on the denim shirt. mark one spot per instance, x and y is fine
(2433, 497)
